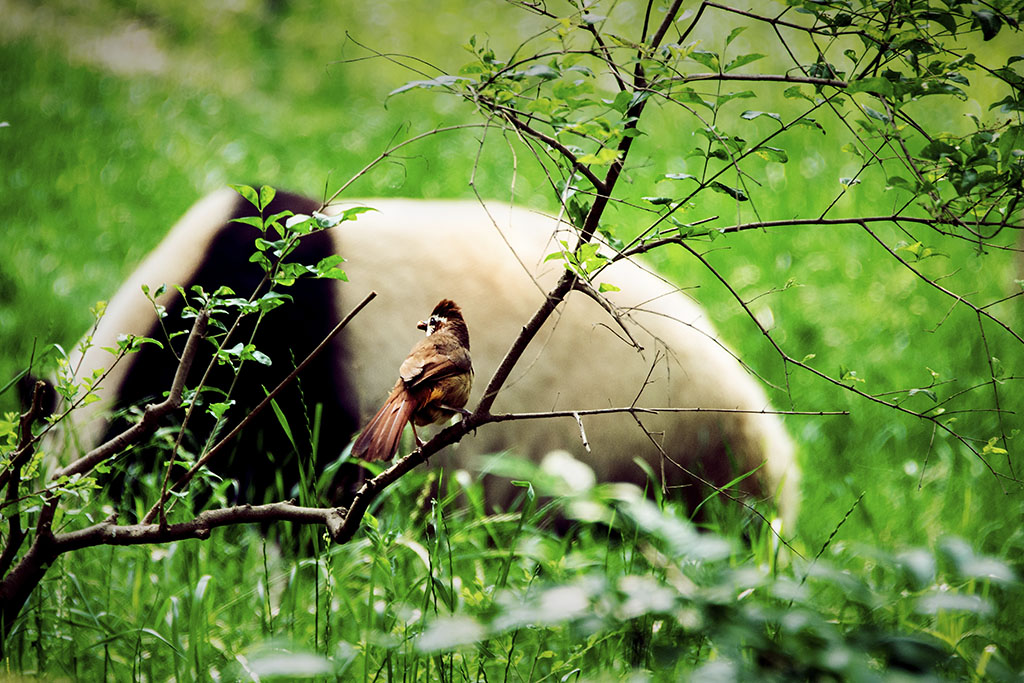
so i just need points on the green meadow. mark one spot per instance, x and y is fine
(906, 559)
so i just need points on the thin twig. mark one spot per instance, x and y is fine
(213, 452)
(153, 412)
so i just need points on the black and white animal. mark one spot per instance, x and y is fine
(491, 260)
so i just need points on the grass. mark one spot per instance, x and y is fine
(98, 163)
(459, 596)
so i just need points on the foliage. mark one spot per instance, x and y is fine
(909, 213)
(39, 504)
(459, 594)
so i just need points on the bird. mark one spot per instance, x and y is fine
(434, 383)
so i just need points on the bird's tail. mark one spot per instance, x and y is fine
(379, 439)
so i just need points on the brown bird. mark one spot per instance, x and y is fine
(433, 385)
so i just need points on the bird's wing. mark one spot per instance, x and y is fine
(430, 360)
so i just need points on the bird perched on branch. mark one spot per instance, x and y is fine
(433, 385)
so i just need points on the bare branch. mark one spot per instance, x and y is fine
(754, 78)
(934, 419)
(640, 410)
(603, 302)
(583, 432)
(977, 309)
(108, 532)
(390, 151)
(648, 245)
(512, 116)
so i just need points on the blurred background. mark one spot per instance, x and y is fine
(122, 113)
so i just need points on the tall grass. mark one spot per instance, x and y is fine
(439, 591)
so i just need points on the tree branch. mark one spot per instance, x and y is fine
(754, 78)
(648, 245)
(15, 532)
(213, 452)
(199, 527)
(153, 412)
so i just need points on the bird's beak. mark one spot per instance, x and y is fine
(421, 325)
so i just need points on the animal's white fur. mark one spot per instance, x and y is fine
(491, 262)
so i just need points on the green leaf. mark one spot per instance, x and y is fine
(681, 176)
(271, 300)
(927, 392)
(603, 157)
(750, 115)
(248, 193)
(570, 92)
(328, 268)
(735, 193)
(973, 566)
(691, 96)
(542, 71)
(945, 19)
(217, 410)
(622, 101)
(609, 237)
(300, 223)
(902, 183)
(708, 59)
(796, 92)
(953, 602)
(260, 357)
(659, 201)
(349, 214)
(1008, 104)
(554, 256)
(287, 213)
(808, 123)
(605, 287)
(937, 149)
(988, 21)
(772, 154)
(882, 86)
(254, 221)
(849, 376)
(725, 97)
(267, 194)
(558, 255)
(1010, 140)
(966, 181)
(735, 32)
(449, 633)
(743, 60)
(877, 115)
(259, 258)
(444, 81)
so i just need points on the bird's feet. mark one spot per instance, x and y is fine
(461, 411)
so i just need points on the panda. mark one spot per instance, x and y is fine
(489, 258)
